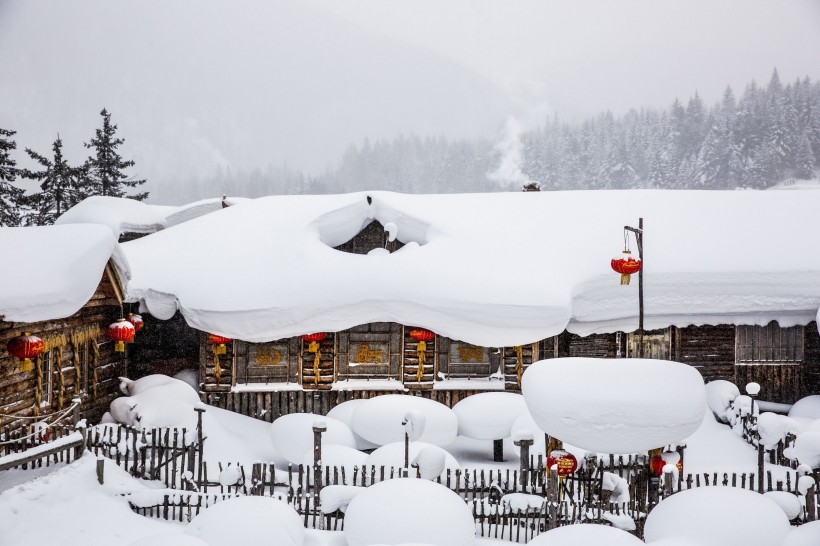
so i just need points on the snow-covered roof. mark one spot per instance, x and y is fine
(494, 269)
(121, 215)
(176, 214)
(50, 272)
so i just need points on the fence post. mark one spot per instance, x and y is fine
(552, 498)
(200, 409)
(524, 440)
(498, 451)
(318, 428)
(811, 509)
(78, 425)
(101, 470)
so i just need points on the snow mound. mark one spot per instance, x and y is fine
(806, 448)
(788, 502)
(406, 511)
(344, 413)
(489, 415)
(292, 435)
(719, 396)
(169, 539)
(624, 405)
(774, 427)
(255, 519)
(338, 497)
(806, 408)
(158, 401)
(336, 456)
(392, 456)
(77, 255)
(585, 534)
(807, 534)
(718, 516)
(191, 377)
(379, 420)
(119, 214)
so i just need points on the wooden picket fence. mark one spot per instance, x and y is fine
(37, 446)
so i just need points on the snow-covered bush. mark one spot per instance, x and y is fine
(806, 449)
(719, 396)
(407, 511)
(741, 407)
(338, 497)
(773, 428)
(292, 435)
(380, 420)
(336, 457)
(344, 413)
(392, 456)
(788, 502)
(585, 534)
(807, 534)
(623, 405)
(717, 516)
(155, 401)
(489, 415)
(253, 521)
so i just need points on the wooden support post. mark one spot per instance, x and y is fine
(406, 471)
(75, 414)
(101, 470)
(552, 498)
(811, 507)
(524, 454)
(318, 428)
(759, 464)
(498, 451)
(200, 439)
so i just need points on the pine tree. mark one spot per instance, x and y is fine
(59, 185)
(11, 197)
(106, 167)
(804, 158)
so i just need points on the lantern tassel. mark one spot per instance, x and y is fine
(421, 350)
(625, 279)
(119, 347)
(217, 368)
(26, 365)
(519, 364)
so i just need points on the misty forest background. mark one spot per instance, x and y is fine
(760, 139)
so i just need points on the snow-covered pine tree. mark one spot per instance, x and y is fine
(804, 158)
(59, 183)
(11, 197)
(106, 167)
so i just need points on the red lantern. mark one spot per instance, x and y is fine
(26, 347)
(219, 343)
(565, 462)
(121, 332)
(136, 321)
(626, 266)
(657, 462)
(420, 334)
(317, 337)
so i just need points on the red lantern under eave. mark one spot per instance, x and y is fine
(121, 332)
(659, 461)
(626, 266)
(25, 347)
(564, 461)
(420, 334)
(219, 343)
(136, 321)
(317, 337)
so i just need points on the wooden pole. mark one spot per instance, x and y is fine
(498, 451)
(524, 453)
(639, 238)
(199, 439)
(318, 429)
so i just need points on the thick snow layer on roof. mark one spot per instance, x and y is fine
(119, 214)
(495, 269)
(50, 272)
(177, 214)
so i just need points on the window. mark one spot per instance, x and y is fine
(84, 367)
(769, 344)
(656, 344)
(48, 360)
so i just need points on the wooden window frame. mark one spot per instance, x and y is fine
(47, 370)
(769, 345)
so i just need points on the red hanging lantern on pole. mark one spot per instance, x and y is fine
(564, 461)
(658, 462)
(136, 321)
(219, 343)
(317, 337)
(626, 265)
(423, 337)
(25, 347)
(121, 332)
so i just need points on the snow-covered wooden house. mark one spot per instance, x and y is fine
(323, 298)
(64, 285)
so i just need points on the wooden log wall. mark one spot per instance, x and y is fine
(778, 382)
(208, 379)
(511, 363)
(267, 406)
(811, 360)
(17, 389)
(385, 337)
(255, 363)
(327, 364)
(410, 363)
(164, 346)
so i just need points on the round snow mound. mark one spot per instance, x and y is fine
(292, 434)
(392, 456)
(624, 405)
(344, 413)
(253, 519)
(379, 420)
(489, 415)
(336, 457)
(718, 516)
(807, 534)
(169, 539)
(719, 395)
(806, 408)
(585, 534)
(408, 510)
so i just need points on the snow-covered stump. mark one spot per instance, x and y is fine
(523, 440)
(319, 427)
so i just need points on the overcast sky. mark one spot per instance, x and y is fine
(200, 84)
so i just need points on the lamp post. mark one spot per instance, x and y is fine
(639, 239)
(753, 389)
